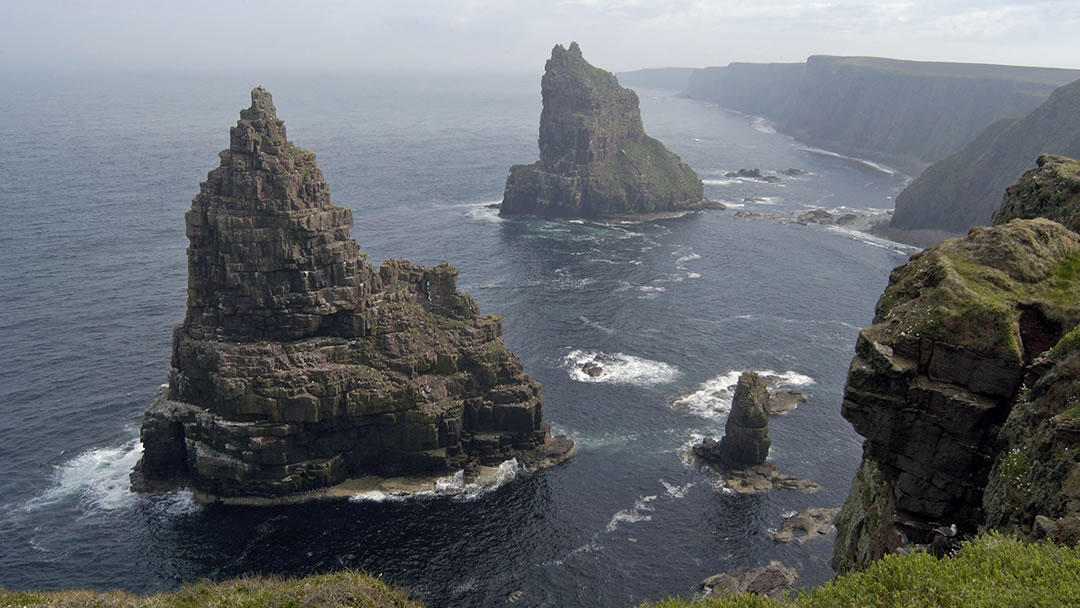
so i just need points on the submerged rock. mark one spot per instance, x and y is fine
(808, 524)
(299, 364)
(595, 159)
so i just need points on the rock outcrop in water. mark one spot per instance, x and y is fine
(740, 456)
(299, 364)
(965, 389)
(595, 159)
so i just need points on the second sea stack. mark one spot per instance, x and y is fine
(595, 159)
(299, 364)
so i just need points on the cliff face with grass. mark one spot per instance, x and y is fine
(595, 159)
(907, 113)
(299, 364)
(965, 385)
(964, 189)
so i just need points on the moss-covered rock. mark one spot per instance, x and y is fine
(1051, 190)
(959, 330)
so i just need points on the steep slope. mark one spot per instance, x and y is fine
(299, 364)
(906, 113)
(595, 159)
(965, 386)
(964, 189)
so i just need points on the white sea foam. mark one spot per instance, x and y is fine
(862, 161)
(726, 181)
(638, 513)
(97, 478)
(712, 398)
(451, 486)
(675, 491)
(874, 240)
(618, 368)
(597, 326)
(686, 258)
(693, 275)
(762, 125)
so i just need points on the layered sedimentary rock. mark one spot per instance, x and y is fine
(963, 332)
(299, 364)
(595, 159)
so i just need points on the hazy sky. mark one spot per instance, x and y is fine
(508, 35)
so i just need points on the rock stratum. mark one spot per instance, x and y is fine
(595, 159)
(963, 189)
(966, 386)
(299, 364)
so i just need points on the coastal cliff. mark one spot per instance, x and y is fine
(299, 364)
(595, 159)
(963, 386)
(905, 113)
(964, 189)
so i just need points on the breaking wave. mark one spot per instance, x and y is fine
(618, 368)
(712, 398)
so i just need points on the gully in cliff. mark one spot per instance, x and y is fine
(300, 367)
(595, 159)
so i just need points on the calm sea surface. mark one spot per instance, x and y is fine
(96, 172)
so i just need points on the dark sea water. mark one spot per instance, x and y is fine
(96, 172)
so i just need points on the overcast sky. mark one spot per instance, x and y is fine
(517, 36)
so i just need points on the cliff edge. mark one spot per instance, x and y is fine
(595, 159)
(299, 364)
(962, 389)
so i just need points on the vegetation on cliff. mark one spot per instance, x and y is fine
(964, 189)
(595, 159)
(992, 571)
(336, 590)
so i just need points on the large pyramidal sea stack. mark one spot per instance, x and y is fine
(595, 159)
(299, 364)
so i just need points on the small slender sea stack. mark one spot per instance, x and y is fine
(299, 364)
(595, 159)
(746, 435)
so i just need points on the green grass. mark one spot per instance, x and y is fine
(337, 590)
(990, 572)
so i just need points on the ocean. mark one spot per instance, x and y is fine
(97, 170)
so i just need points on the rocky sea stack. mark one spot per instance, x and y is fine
(299, 364)
(966, 386)
(595, 159)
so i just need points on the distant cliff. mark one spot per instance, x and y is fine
(965, 387)
(963, 189)
(299, 364)
(906, 113)
(595, 159)
(671, 79)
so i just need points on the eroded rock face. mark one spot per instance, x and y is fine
(299, 364)
(595, 159)
(960, 331)
(1051, 190)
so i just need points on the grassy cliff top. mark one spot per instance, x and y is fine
(337, 590)
(1052, 77)
(971, 291)
(990, 572)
